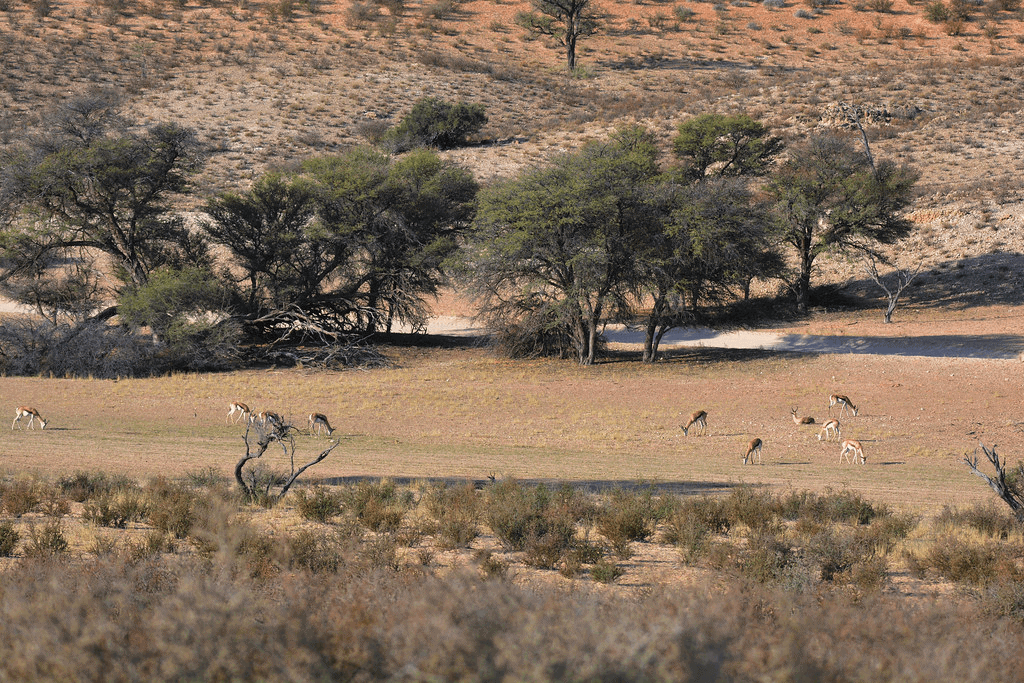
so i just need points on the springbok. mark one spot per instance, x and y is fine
(806, 420)
(240, 408)
(318, 420)
(852, 446)
(754, 447)
(266, 416)
(31, 413)
(843, 401)
(699, 418)
(829, 429)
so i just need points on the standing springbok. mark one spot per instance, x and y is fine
(829, 429)
(240, 408)
(754, 447)
(852, 446)
(318, 421)
(699, 418)
(31, 413)
(843, 401)
(806, 420)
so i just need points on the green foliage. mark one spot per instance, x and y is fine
(433, 122)
(964, 561)
(532, 519)
(692, 523)
(555, 247)
(172, 507)
(606, 571)
(354, 242)
(767, 556)
(83, 486)
(20, 496)
(178, 305)
(316, 552)
(829, 195)
(564, 20)
(716, 144)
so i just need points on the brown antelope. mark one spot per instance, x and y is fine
(807, 420)
(852, 446)
(699, 418)
(754, 447)
(240, 408)
(318, 420)
(843, 401)
(31, 413)
(266, 416)
(829, 429)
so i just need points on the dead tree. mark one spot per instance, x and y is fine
(258, 438)
(903, 279)
(1007, 488)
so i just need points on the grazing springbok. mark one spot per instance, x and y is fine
(266, 416)
(699, 418)
(318, 421)
(240, 408)
(807, 420)
(843, 401)
(753, 448)
(829, 429)
(852, 446)
(31, 413)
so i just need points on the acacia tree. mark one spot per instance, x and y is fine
(724, 146)
(352, 242)
(714, 237)
(106, 194)
(555, 247)
(564, 20)
(828, 196)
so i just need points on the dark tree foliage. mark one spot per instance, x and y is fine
(354, 243)
(106, 193)
(564, 20)
(828, 197)
(433, 122)
(727, 146)
(555, 247)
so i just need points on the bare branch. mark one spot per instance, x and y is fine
(904, 276)
(998, 483)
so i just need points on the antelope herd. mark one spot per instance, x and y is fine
(829, 430)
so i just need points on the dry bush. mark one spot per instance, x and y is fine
(964, 561)
(986, 519)
(318, 504)
(9, 538)
(379, 506)
(456, 511)
(115, 509)
(20, 496)
(628, 516)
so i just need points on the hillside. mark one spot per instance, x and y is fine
(268, 84)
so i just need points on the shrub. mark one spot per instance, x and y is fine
(456, 510)
(517, 514)
(378, 505)
(936, 12)
(318, 505)
(315, 552)
(606, 571)
(172, 508)
(20, 497)
(433, 122)
(985, 519)
(115, 509)
(83, 486)
(767, 556)
(753, 507)
(683, 14)
(46, 540)
(9, 538)
(973, 563)
(628, 516)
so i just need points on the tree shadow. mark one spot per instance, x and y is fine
(685, 487)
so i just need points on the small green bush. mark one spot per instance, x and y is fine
(766, 557)
(984, 519)
(172, 507)
(756, 508)
(434, 122)
(628, 516)
(972, 563)
(20, 497)
(315, 552)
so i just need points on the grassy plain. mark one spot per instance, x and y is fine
(465, 413)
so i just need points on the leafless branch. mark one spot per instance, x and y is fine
(999, 484)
